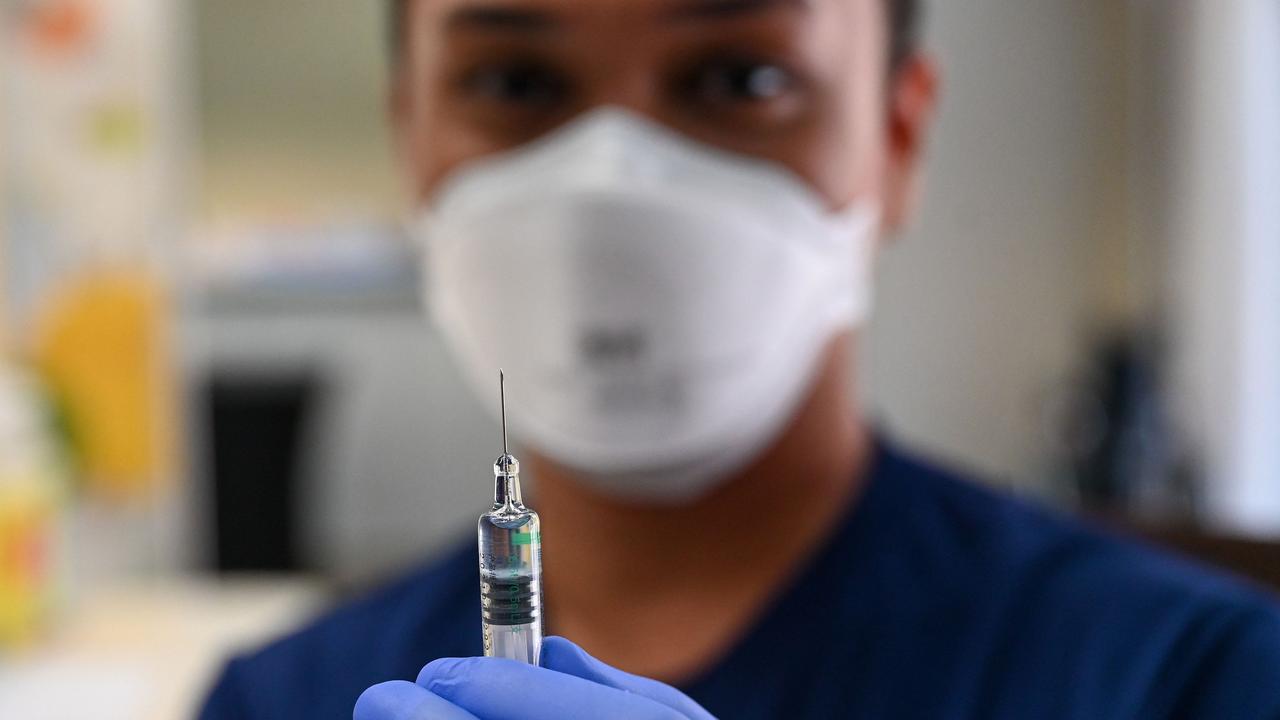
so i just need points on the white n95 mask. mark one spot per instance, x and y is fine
(659, 306)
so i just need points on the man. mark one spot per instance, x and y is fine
(669, 208)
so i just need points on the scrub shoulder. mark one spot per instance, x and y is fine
(995, 607)
(936, 598)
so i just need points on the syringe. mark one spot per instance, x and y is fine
(510, 563)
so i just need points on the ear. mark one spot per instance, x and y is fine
(912, 103)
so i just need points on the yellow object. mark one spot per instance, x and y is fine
(102, 350)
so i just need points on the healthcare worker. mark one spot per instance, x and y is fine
(659, 216)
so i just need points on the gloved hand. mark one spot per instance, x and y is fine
(570, 685)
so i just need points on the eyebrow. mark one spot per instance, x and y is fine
(501, 17)
(715, 9)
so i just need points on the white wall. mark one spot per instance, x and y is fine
(292, 108)
(1224, 230)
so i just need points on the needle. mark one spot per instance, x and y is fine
(502, 392)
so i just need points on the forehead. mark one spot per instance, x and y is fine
(529, 15)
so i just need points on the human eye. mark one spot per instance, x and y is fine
(740, 81)
(517, 84)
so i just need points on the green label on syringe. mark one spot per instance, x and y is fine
(524, 538)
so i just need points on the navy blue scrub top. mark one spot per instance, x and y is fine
(936, 598)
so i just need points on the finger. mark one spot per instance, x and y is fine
(401, 700)
(500, 689)
(563, 656)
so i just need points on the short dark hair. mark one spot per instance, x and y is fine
(904, 28)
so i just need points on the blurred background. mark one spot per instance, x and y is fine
(220, 405)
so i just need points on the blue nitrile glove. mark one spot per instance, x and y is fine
(570, 685)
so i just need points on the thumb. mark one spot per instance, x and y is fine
(563, 656)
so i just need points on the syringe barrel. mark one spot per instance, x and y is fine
(514, 642)
(511, 584)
